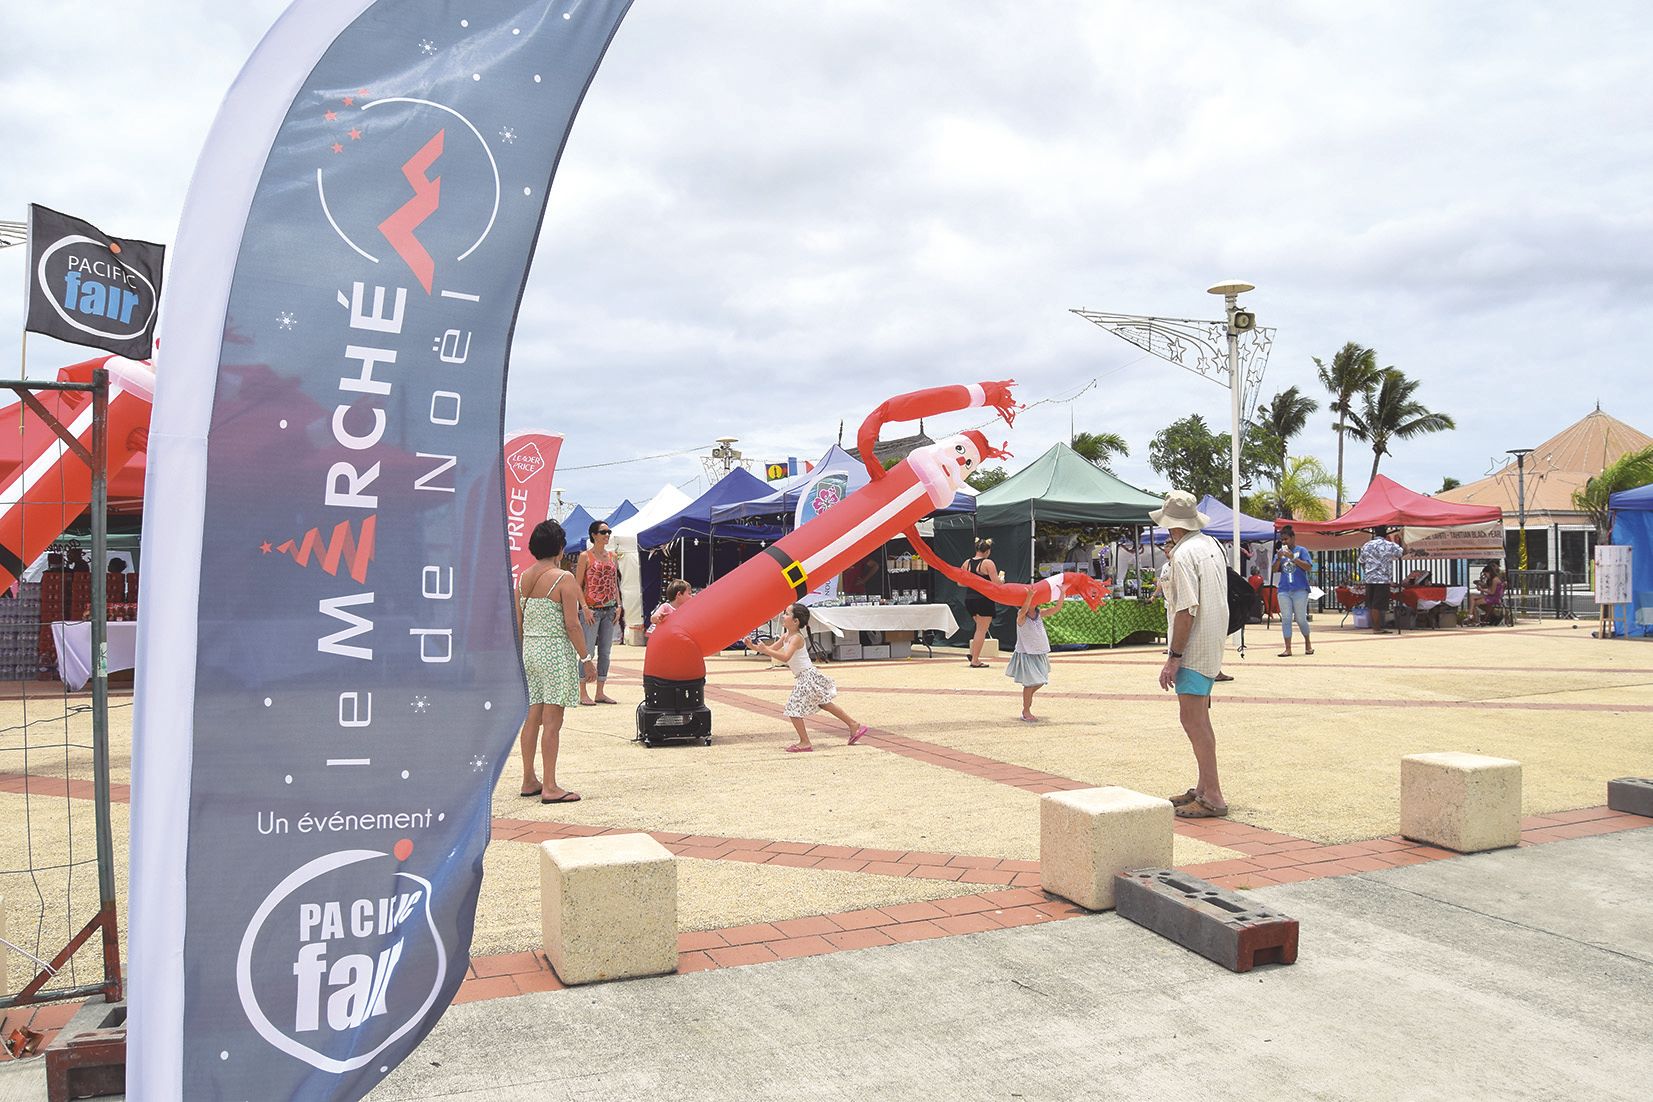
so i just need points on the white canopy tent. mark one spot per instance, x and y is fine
(667, 503)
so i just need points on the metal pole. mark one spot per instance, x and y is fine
(100, 677)
(1234, 389)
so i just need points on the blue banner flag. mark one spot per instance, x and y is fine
(330, 682)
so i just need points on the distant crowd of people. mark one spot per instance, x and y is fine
(568, 621)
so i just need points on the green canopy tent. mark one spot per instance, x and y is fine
(1060, 487)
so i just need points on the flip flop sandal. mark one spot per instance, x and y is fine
(1284, 654)
(861, 732)
(608, 702)
(1185, 799)
(531, 795)
(1200, 809)
(799, 749)
(565, 798)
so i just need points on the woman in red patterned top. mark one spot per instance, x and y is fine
(597, 574)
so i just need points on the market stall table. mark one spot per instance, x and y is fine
(74, 649)
(1111, 623)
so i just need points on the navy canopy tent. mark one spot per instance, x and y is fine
(622, 513)
(577, 525)
(696, 556)
(1221, 527)
(1633, 526)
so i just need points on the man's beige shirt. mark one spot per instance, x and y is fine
(1199, 585)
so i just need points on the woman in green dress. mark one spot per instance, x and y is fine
(548, 618)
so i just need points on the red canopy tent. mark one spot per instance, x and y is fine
(1388, 504)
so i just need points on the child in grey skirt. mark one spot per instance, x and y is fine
(1030, 664)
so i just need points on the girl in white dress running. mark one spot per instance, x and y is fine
(814, 691)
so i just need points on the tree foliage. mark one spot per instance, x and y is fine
(1100, 448)
(1353, 371)
(1277, 421)
(1299, 494)
(1389, 411)
(1448, 483)
(1191, 457)
(1625, 473)
(987, 477)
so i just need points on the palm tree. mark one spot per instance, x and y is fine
(1628, 471)
(1353, 370)
(1388, 412)
(1298, 495)
(1100, 448)
(1279, 419)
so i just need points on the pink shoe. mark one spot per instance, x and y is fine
(860, 733)
(799, 749)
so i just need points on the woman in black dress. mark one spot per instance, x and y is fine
(980, 608)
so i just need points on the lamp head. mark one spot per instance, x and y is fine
(1230, 287)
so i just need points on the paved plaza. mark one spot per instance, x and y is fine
(875, 909)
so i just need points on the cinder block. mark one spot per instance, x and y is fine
(1631, 795)
(1089, 835)
(1464, 802)
(608, 907)
(1218, 925)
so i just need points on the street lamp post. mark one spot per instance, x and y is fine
(1233, 352)
(1231, 292)
(1521, 501)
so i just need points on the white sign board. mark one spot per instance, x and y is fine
(1612, 574)
(1464, 541)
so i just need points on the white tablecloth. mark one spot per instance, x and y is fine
(74, 649)
(850, 618)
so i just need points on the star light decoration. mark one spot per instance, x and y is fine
(427, 47)
(420, 704)
(286, 320)
(1198, 346)
(508, 136)
(478, 764)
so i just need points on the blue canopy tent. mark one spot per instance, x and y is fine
(698, 558)
(781, 500)
(578, 527)
(622, 513)
(1221, 527)
(1633, 526)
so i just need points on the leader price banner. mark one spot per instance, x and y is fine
(530, 468)
(86, 287)
(330, 681)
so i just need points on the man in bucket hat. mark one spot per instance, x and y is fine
(1196, 605)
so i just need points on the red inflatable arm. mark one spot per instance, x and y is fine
(1053, 588)
(933, 403)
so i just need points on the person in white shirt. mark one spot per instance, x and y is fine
(1196, 603)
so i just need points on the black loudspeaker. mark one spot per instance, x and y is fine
(673, 711)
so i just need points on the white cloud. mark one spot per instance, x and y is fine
(773, 215)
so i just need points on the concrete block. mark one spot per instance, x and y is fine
(1219, 925)
(1089, 835)
(989, 648)
(1464, 802)
(608, 907)
(1631, 795)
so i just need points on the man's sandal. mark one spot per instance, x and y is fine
(1200, 809)
(1185, 799)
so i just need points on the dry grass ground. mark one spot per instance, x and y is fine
(1308, 746)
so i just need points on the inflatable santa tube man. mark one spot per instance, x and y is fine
(674, 670)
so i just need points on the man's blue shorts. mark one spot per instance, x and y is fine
(1191, 683)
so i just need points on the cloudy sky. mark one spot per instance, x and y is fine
(774, 214)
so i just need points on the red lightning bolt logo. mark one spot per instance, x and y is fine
(427, 196)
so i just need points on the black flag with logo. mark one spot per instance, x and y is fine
(89, 288)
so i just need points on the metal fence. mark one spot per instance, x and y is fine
(1532, 594)
(61, 925)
